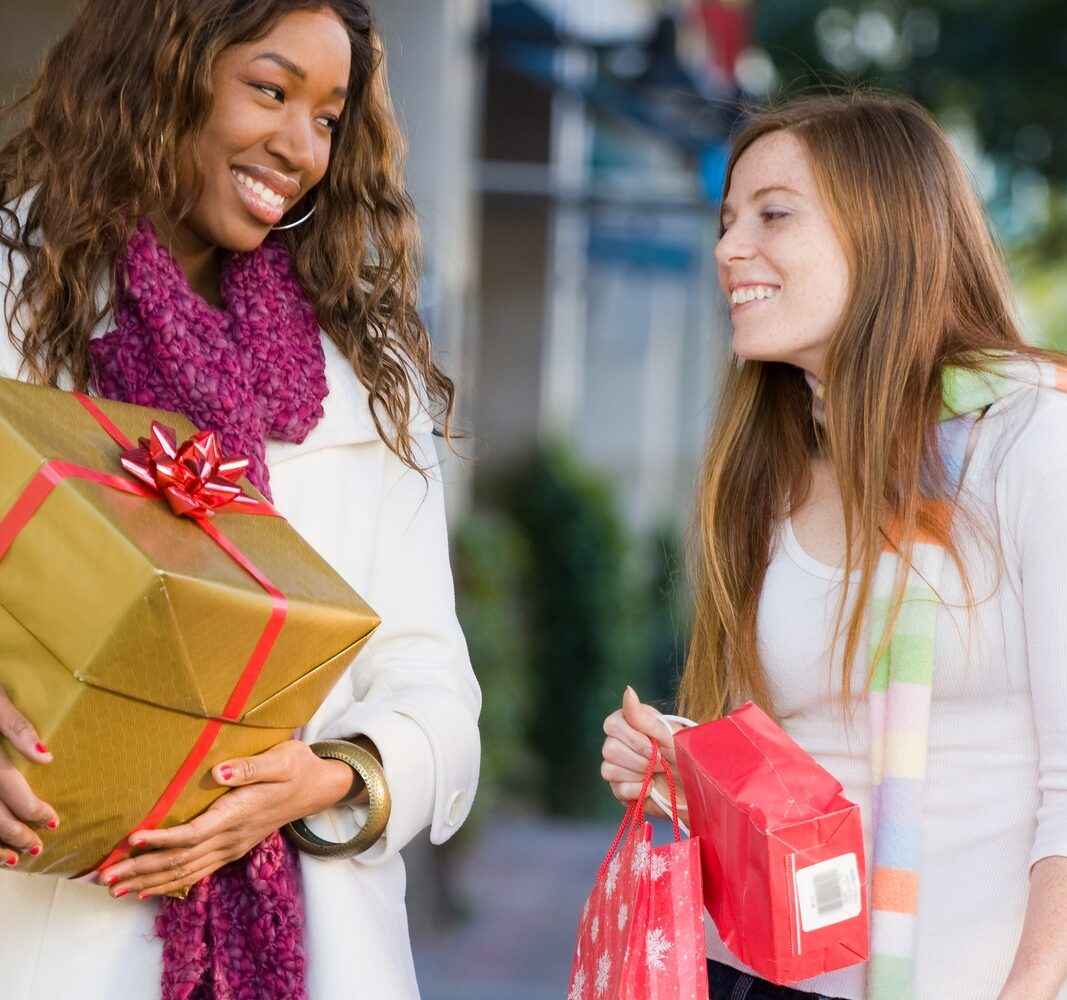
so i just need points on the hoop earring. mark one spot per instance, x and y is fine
(290, 225)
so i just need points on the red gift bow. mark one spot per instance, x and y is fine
(194, 478)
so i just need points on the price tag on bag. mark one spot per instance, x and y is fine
(828, 892)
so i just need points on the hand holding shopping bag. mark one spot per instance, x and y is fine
(641, 933)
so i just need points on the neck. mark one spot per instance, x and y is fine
(818, 407)
(199, 260)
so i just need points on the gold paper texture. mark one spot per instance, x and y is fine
(123, 628)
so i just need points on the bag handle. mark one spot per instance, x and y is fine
(655, 794)
(635, 810)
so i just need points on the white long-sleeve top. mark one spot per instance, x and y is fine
(996, 789)
(411, 690)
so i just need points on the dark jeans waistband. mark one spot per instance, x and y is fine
(727, 983)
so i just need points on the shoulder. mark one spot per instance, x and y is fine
(351, 398)
(1029, 431)
(1026, 458)
(347, 418)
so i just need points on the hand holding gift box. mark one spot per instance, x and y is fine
(781, 848)
(146, 647)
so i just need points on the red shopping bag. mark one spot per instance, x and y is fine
(641, 933)
(781, 848)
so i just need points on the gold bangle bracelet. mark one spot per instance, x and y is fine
(366, 765)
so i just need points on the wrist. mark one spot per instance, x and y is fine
(339, 782)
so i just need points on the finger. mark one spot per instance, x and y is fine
(190, 881)
(615, 725)
(617, 752)
(175, 876)
(644, 718)
(196, 831)
(271, 765)
(16, 794)
(16, 834)
(170, 864)
(21, 732)
(613, 774)
(625, 791)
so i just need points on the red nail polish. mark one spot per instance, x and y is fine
(40, 747)
(227, 773)
(53, 823)
(110, 879)
(35, 850)
(121, 892)
(12, 859)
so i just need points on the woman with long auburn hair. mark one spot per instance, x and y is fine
(879, 535)
(204, 212)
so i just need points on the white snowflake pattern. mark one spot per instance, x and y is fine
(577, 986)
(603, 970)
(585, 909)
(660, 865)
(612, 875)
(640, 861)
(624, 915)
(656, 946)
(595, 929)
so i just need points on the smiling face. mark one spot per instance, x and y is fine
(781, 264)
(267, 141)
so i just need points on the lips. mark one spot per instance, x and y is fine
(266, 194)
(750, 294)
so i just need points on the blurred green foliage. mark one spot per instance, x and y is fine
(995, 61)
(490, 558)
(1039, 271)
(588, 623)
(562, 606)
(668, 613)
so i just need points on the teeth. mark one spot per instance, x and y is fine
(260, 189)
(750, 292)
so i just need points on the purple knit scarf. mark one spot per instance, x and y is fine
(252, 370)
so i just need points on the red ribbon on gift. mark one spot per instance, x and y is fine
(195, 479)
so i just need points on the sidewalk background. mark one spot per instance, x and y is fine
(525, 883)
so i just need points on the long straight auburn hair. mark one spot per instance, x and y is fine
(928, 288)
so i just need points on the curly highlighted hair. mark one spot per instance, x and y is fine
(101, 129)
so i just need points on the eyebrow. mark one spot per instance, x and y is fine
(756, 195)
(297, 71)
(775, 187)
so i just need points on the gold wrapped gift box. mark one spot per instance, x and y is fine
(130, 638)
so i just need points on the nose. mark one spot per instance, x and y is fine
(295, 143)
(734, 244)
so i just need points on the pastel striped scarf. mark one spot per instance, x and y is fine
(899, 695)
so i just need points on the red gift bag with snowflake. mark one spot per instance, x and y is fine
(641, 933)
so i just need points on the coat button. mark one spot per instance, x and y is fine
(455, 808)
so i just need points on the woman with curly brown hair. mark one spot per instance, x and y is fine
(204, 212)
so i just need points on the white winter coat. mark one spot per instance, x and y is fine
(411, 690)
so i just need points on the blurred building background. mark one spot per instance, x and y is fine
(566, 159)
